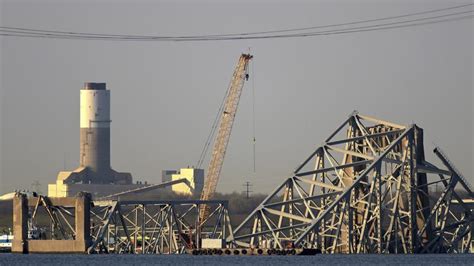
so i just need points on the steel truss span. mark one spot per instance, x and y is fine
(366, 189)
(155, 227)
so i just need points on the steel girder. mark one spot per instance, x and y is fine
(366, 189)
(60, 220)
(155, 227)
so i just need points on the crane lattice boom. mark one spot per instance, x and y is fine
(225, 128)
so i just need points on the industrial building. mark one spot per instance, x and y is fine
(194, 176)
(166, 175)
(94, 173)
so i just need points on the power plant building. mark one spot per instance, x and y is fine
(94, 173)
(166, 175)
(194, 184)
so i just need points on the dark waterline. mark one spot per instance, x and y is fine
(109, 260)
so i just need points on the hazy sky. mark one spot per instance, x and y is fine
(164, 96)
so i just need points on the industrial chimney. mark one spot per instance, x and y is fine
(95, 140)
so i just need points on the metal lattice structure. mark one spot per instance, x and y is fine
(225, 128)
(155, 227)
(78, 224)
(366, 189)
(61, 220)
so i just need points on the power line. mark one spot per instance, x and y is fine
(241, 34)
(310, 34)
(356, 22)
(24, 32)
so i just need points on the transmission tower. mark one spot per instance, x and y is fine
(247, 190)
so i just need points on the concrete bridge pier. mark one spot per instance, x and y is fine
(81, 240)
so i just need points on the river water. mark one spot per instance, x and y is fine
(109, 260)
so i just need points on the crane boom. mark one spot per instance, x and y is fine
(223, 135)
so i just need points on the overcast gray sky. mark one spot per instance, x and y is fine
(165, 95)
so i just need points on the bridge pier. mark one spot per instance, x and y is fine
(79, 242)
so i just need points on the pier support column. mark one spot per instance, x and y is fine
(20, 224)
(82, 215)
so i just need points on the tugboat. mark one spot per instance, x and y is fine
(6, 241)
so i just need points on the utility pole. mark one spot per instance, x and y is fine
(247, 191)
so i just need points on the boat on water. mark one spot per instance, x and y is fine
(7, 239)
(6, 242)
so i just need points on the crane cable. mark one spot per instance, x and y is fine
(212, 133)
(253, 116)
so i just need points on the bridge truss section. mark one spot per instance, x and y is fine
(366, 189)
(155, 227)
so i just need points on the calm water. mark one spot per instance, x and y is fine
(110, 260)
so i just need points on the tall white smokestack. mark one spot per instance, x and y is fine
(95, 122)
(95, 132)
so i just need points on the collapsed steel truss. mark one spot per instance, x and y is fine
(111, 226)
(155, 227)
(367, 189)
(61, 220)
